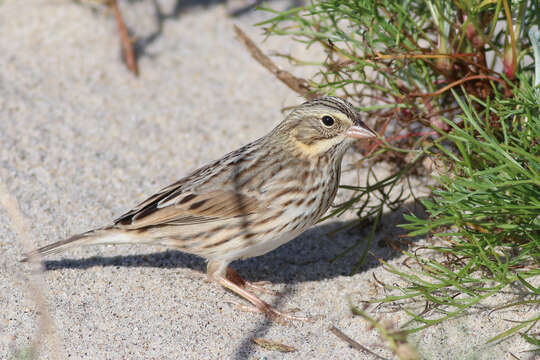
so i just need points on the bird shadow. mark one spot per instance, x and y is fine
(323, 252)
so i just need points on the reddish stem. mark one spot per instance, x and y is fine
(125, 39)
(461, 81)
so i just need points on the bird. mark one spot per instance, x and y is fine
(247, 203)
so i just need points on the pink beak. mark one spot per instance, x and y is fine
(360, 132)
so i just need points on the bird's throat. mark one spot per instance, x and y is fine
(317, 148)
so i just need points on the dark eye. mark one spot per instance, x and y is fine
(328, 120)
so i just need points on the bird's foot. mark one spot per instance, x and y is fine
(272, 313)
(257, 286)
(236, 284)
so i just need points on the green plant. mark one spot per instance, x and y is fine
(485, 211)
(452, 81)
(406, 56)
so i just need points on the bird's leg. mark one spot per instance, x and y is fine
(259, 305)
(258, 286)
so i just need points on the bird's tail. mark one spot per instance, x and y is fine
(106, 235)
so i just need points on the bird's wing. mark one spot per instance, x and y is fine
(189, 207)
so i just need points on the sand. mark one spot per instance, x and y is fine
(82, 141)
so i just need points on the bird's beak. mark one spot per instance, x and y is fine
(360, 131)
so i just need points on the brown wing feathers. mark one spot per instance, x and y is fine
(190, 208)
(147, 206)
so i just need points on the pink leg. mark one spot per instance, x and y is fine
(258, 286)
(238, 286)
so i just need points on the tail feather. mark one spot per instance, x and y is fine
(106, 235)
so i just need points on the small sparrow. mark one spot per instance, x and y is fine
(247, 203)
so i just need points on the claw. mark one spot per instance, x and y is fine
(274, 314)
(258, 286)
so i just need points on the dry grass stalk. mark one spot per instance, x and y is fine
(301, 86)
(46, 327)
(340, 334)
(125, 39)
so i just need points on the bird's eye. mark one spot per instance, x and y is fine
(328, 120)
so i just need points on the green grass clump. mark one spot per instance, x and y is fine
(485, 211)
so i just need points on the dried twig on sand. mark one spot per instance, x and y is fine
(340, 334)
(125, 39)
(301, 86)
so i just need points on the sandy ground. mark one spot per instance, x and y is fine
(82, 141)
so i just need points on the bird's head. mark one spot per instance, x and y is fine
(322, 125)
